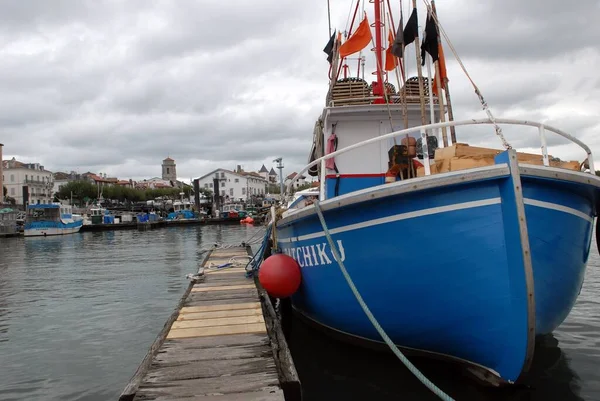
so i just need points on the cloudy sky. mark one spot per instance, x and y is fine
(115, 86)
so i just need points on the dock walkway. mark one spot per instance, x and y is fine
(217, 344)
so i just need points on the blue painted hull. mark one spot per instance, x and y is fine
(437, 267)
(45, 228)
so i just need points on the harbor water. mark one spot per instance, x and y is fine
(78, 314)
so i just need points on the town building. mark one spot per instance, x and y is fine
(264, 173)
(235, 186)
(61, 179)
(272, 176)
(27, 183)
(99, 179)
(154, 183)
(298, 183)
(126, 183)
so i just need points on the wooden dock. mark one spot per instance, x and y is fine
(223, 342)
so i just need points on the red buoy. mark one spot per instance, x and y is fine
(280, 275)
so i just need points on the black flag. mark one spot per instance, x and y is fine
(430, 41)
(329, 48)
(408, 36)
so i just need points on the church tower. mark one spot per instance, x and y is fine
(169, 170)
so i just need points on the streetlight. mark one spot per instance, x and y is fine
(280, 167)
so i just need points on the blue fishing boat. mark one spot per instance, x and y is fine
(458, 252)
(51, 219)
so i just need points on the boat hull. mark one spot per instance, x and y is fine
(438, 267)
(42, 229)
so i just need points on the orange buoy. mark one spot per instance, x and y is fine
(280, 275)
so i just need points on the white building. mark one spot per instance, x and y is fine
(298, 183)
(27, 179)
(234, 186)
(61, 179)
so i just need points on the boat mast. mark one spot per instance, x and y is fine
(378, 49)
(444, 84)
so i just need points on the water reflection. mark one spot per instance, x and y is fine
(328, 368)
(78, 312)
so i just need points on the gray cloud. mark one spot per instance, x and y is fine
(115, 87)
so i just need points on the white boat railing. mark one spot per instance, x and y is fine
(542, 128)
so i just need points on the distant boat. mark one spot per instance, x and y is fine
(51, 219)
(458, 251)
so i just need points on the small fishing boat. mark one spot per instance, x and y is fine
(458, 252)
(51, 219)
(303, 198)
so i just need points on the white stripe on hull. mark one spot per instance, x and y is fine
(558, 208)
(40, 232)
(436, 210)
(402, 216)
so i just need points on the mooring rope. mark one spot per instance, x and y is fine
(255, 261)
(436, 390)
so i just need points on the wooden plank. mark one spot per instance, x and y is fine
(199, 301)
(230, 296)
(268, 394)
(216, 368)
(229, 252)
(221, 280)
(219, 314)
(209, 287)
(241, 259)
(220, 307)
(202, 343)
(218, 330)
(178, 354)
(219, 321)
(218, 281)
(229, 270)
(214, 385)
(224, 279)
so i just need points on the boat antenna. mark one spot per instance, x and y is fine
(329, 17)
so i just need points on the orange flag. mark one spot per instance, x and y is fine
(442, 68)
(390, 60)
(358, 40)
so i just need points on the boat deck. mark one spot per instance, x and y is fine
(223, 342)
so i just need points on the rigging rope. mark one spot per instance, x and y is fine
(462, 66)
(436, 390)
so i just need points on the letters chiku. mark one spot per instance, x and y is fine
(314, 255)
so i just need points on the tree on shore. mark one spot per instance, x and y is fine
(83, 191)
